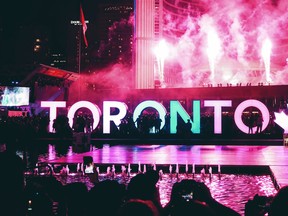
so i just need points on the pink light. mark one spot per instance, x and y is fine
(51, 152)
(161, 52)
(213, 50)
(266, 55)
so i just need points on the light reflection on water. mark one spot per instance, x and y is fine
(232, 190)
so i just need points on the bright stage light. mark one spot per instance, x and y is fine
(266, 55)
(213, 50)
(161, 52)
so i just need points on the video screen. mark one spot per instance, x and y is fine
(14, 96)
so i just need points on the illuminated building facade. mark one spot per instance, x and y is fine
(209, 46)
(144, 41)
(114, 33)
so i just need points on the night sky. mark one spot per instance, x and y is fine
(43, 12)
(43, 17)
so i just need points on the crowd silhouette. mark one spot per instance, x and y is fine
(147, 124)
(46, 196)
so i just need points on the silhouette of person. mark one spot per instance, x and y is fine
(188, 127)
(259, 123)
(251, 121)
(157, 124)
(189, 194)
(11, 183)
(138, 207)
(139, 123)
(279, 203)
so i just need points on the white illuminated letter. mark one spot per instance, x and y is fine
(96, 113)
(153, 104)
(250, 103)
(107, 117)
(217, 104)
(53, 105)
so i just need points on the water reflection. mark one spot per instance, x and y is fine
(41, 152)
(231, 189)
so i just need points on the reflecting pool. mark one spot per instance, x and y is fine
(232, 190)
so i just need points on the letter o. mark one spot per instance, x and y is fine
(153, 104)
(251, 103)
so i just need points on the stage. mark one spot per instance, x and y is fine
(273, 157)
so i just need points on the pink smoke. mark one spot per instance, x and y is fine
(88, 86)
(242, 27)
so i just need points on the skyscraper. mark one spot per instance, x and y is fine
(144, 40)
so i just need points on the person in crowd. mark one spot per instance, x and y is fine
(198, 196)
(251, 122)
(259, 123)
(158, 122)
(192, 207)
(11, 182)
(143, 186)
(45, 196)
(258, 206)
(54, 126)
(153, 178)
(61, 126)
(138, 207)
(105, 198)
(76, 198)
(182, 200)
(279, 204)
(188, 127)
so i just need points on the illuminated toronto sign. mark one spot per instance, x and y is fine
(176, 110)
